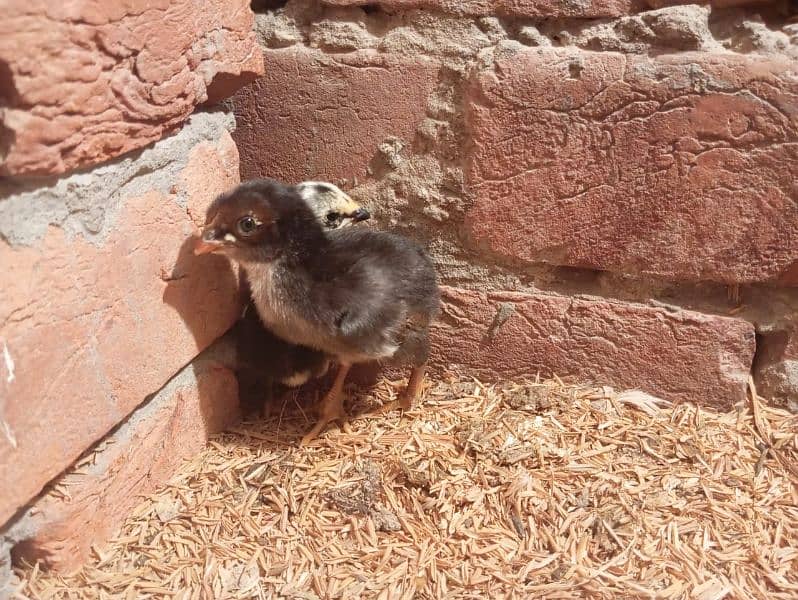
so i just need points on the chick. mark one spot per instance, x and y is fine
(353, 293)
(262, 356)
(265, 360)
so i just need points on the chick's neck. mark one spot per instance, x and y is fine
(305, 242)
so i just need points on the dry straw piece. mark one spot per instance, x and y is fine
(534, 490)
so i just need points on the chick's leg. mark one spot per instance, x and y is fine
(331, 406)
(409, 394)
(413, 389)
(268, 399)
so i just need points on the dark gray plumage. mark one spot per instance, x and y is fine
(265, 360)
(356, 294)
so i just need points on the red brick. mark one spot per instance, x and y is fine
(682, 166)
(679, 356)
(87, 81)
(87, 505)
(323, 117)
(534, 8)
(91, 326)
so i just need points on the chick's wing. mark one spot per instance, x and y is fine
(363, 291)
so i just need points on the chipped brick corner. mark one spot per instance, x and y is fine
(87, 504)
(111, 151)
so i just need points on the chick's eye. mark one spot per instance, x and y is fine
(246, 225)
(332, 217)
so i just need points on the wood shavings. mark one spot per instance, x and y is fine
(522, 490)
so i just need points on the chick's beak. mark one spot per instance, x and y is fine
(207, 243)
(361, 214)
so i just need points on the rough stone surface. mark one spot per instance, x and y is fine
(534, 8)
(324, 117)
(683, 166)
(518, 8)
(102, 298)
(83, 82)
(715, 3)
(677, 355)
(86, 505)
(776, 367)
(746, 32)
(455, 39)
(669, 29)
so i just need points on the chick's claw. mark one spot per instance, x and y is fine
(331, 407)
(409, 395)
(405, 402)
(317, 429)
(415, 384)
(402, 402)
(268, 401)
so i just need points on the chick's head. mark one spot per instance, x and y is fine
(245, 224)
(333, 207)
(259, 218)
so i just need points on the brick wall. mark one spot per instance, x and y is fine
(107, 167)
(608, 187)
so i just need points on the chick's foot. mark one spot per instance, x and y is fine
(331, 407)
(409, 395)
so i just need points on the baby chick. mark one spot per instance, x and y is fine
(263, 356)
(353, 293)
(265, 361)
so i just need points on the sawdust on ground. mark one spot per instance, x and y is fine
(540, 490)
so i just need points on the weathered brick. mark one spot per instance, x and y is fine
(323, 117)
(102, 298)
(83, 82)
(683, 166)
(679, 356)
(86, 505)
(535, 8)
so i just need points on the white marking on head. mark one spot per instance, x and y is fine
(323, 197)
(229, 237)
